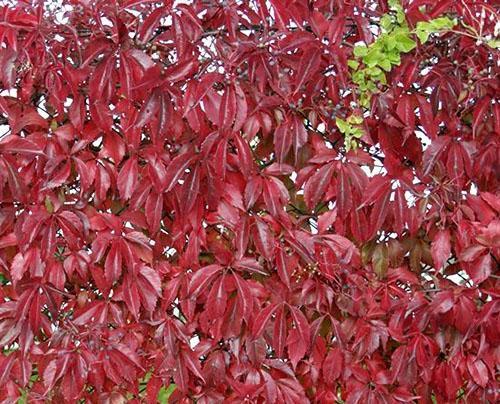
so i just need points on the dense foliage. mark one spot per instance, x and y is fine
(249, 201)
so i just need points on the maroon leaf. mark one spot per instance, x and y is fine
(176, 169)
(478, 371)
(262, 318)
(127, 178)
(114, 262)
(316, 186)
(263, 238)
(333, 366)
(202, 277)
(480, 269)
(441, 248)
(148, 110)
(433, 153)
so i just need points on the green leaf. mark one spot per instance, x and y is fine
(350, 144)
(442, 23)
(394, 4)
(360, 50)
(494, 43)
(374, 71)
(394, 58)
(23, 399)
(404, 43)
(353, 64)
(423, 30)
(364, 101)
(359, 77)
(373, 57)
(165, 393)
(422, 35)
(355, 119)
(389, 42)
(363, 86)
(386, 22)
(385, 64)
(343, 126)
(400, 16)
(358, 133)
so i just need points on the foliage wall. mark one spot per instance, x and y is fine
(249, 201)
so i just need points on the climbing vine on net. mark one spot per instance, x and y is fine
(272, 201)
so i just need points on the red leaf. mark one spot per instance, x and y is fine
(317, 185)
(49, 374)
(280, 330)
(478, 371)
(16, 144)
(443, 302)
(400, 211)
(131, 297)
(479, 113)
(344, 194)
(202, 277)
(296, 347)
(148, 110)
(263, 239)
(480, 270)
(181, 70)
(301, 324)
(472, 252)
(333, 366)
(150, 286)
(113, 264)
(379, 211)
(281, 264)
(242, 237)
(282, 141)
(153, 210)
(241, 109)
(18, 267)
(405, 112)
(227, 110)
(178, 206)
(149, 24)
(217, 299)
(253, 190)
(191, 188)
(245, 159)
(127, 178)
(378, 187)
(441, 248)
(275, 196)
(262, 318)
(309, 65)
(299, 135)
(176, 169)
(433, 153)
(245, 298)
